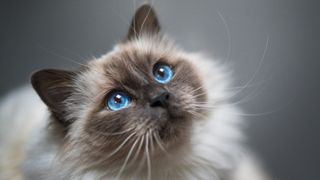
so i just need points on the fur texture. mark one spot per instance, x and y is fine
(198, 136)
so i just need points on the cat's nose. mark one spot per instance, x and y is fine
(161, 100)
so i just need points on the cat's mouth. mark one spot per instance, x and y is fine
(170, 131)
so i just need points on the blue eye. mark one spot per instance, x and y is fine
(162, 73)
(118, 100)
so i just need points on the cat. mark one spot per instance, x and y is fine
(145, 110)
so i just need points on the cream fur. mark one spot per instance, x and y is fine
(27, 152)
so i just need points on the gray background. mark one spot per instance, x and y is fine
(283, 94)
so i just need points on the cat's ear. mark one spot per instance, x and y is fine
(54, 87)
(144, 21)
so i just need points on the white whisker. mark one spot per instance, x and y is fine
(127, 158)
(121, 145)
(151, 140)
(197, 89)
(145, 19)
(138, 150)
(148, 157)
(256, 71)
(112, 134)
(140, 166)
(158, 141)
(196, 114)
(134, 20)
(200, 94)
(228, 35)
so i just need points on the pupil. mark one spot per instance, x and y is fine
(117, 99)
(161, 72)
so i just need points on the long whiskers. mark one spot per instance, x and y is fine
(151, 141)
(256, 71)
(197, 114)
(127, 158)
(159, 143)
(144, 20)
(138, 151)
(148, 157)
(228, 35)
(200, 94)
(197, 89)
(112, 134)
(121, 145)
(137, 154)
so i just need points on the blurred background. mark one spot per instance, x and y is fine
(273, 47)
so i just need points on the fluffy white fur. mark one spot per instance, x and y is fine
(27, 152)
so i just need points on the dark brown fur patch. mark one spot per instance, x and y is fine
(53, 87)
(144, 21)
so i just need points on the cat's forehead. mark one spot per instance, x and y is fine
(136, 57)
(128, 67)
(131, 63)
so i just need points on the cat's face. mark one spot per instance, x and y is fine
(135, 100)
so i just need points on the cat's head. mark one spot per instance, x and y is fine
(136, 101)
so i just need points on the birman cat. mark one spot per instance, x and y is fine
(145, 110)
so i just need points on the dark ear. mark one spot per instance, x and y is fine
(144, 21)
(53, 87)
